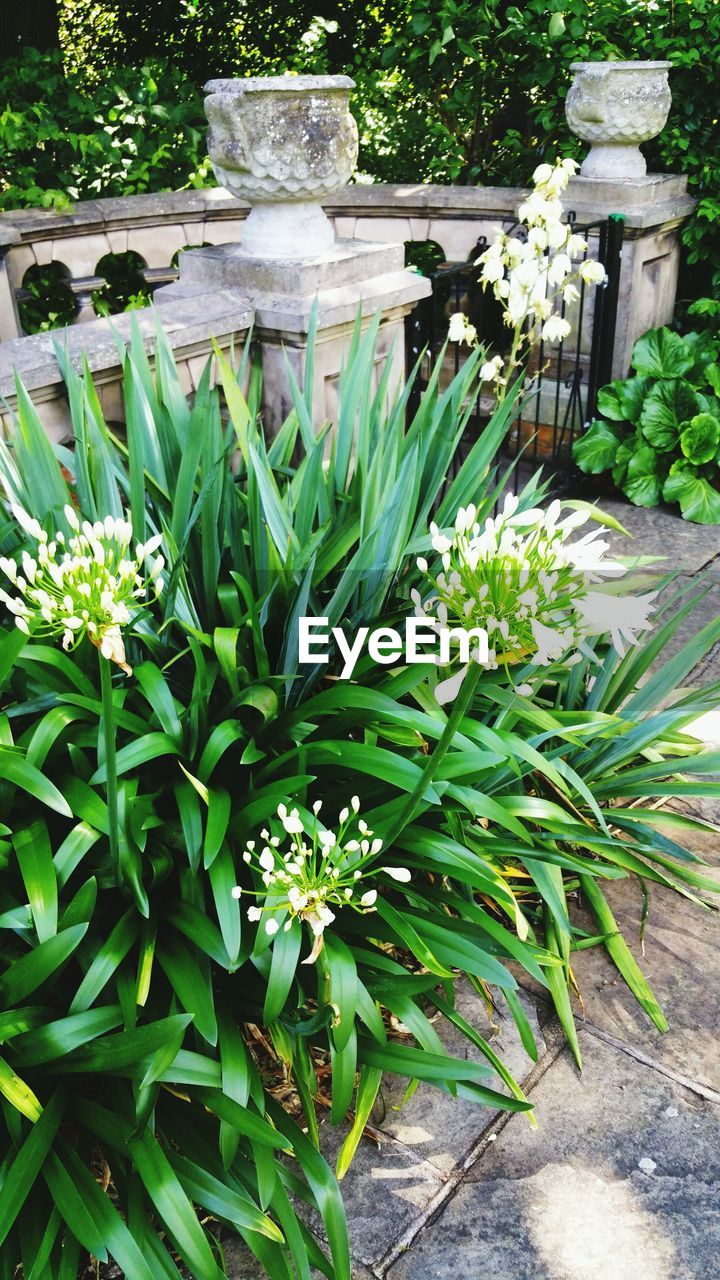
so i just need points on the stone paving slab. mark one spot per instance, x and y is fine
(386, 1190)
(705, 808)
(681, 960)
(620, 1182)
(658, 531)
(442, 1129)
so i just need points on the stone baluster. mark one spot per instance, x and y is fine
(83, 290)
(9, 316)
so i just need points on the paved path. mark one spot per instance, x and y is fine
(621, 1179)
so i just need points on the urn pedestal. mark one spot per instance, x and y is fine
(616, 106)
(285, 143)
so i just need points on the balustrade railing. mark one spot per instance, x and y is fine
(150, 232)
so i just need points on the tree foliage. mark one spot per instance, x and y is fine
(447, 91)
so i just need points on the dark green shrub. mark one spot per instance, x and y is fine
(67, 136)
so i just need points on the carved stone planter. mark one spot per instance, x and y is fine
(615, 106)
(283, 143)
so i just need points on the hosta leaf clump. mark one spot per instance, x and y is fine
(659, 433)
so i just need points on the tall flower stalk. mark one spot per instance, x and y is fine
(86, 585)
(534, 274)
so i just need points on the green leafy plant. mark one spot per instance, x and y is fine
(150, 1022)
(66, 136)
(660, 429)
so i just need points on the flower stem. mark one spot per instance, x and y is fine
(111, 787)
(460, 706)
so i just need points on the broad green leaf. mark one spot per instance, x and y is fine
(34, 855)
(174, 1207)
(126, 1048)
(699, 439)
(63, 1035)
(139, 752)
(221, 1200)
(667, 406)
(73, 1207)
(20, 1175)
(408, 935)
(16, 770)
(189, 977)
(596, 449)
(621, 954)
(343, 988)
(622, 401)
(114, 1232)
(643, 483)
(699, 501)
(18, 1093)
(30, 971)
(107, 960)
(367, 1091)
(661, 353)
(283, 967)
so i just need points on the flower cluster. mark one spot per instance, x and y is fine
(320, 869)
(519, 579)
(87, 584)
(534, 275)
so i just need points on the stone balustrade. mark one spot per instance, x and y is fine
(311, 243)
(157, 227)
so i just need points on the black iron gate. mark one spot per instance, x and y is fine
(565, 382)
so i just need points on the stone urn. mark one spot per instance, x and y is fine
(283, 143)
(615, 106)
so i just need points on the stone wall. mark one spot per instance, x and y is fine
(225, 318)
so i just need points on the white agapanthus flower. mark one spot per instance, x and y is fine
(534, 275)
(525, 579)
(86, 585)
(320, 869)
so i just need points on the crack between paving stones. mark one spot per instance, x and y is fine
(696, 1086)
(584, 1024)
(453, 1181)
(707, 564)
